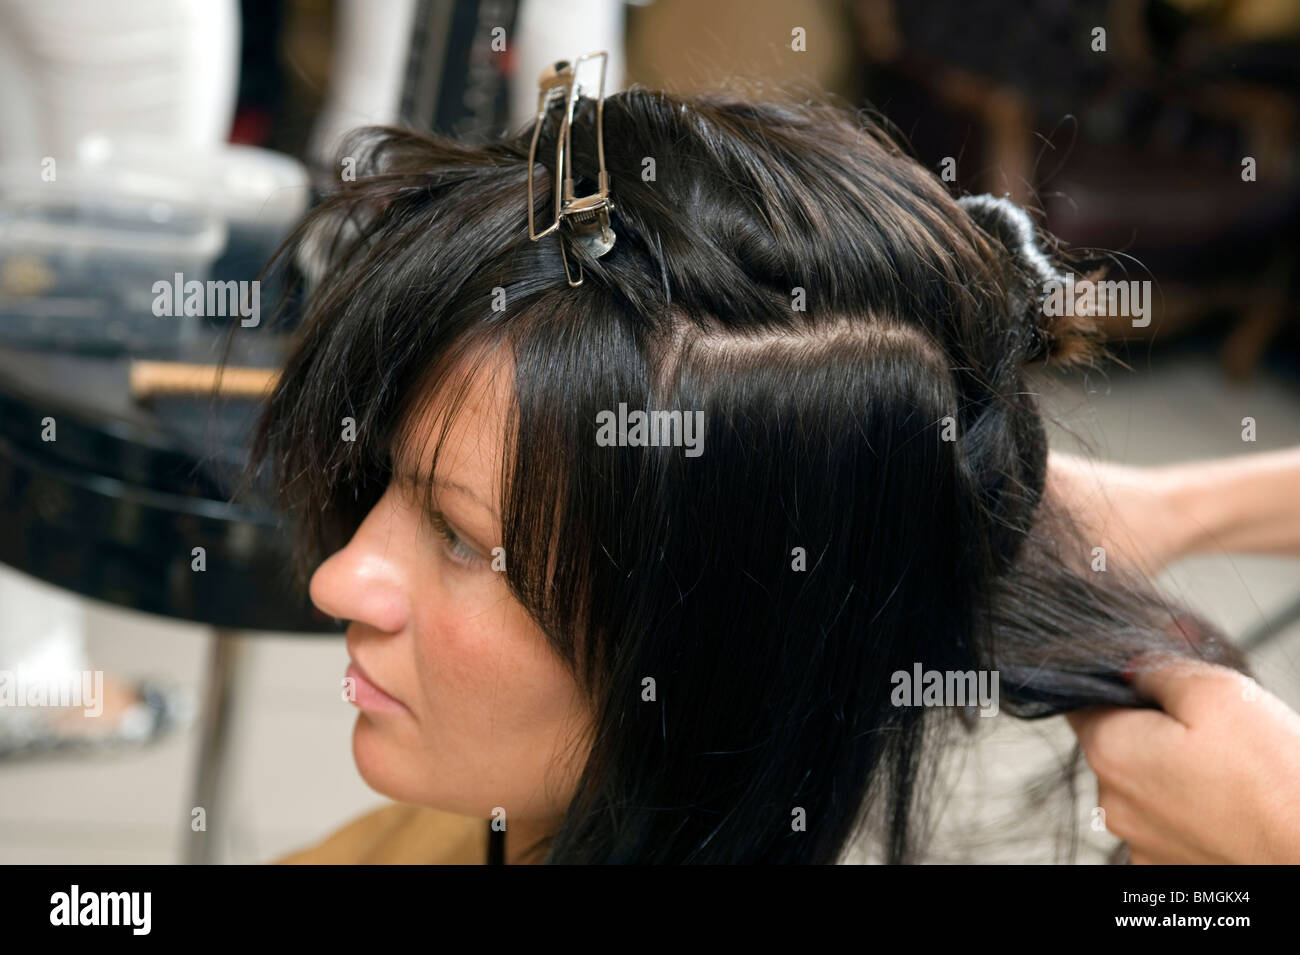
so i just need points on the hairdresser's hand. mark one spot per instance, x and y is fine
(1129, 511)
(1214, 778)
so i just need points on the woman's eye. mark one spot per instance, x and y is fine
(458, 550)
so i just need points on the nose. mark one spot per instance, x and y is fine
(367, 581)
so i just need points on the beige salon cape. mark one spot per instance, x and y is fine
(399, 834)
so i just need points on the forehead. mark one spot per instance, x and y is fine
(466, 411)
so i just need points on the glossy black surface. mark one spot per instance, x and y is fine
(114, 506)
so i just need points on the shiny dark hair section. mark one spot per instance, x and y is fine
(824, 430)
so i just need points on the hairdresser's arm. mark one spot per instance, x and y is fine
(1214, 778)
(1154, 515)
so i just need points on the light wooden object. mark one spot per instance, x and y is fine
(152, 378)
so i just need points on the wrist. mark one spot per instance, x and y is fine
(1198, 512)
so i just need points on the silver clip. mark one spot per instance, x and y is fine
(587, 216)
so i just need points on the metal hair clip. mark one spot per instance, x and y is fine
(587, 216)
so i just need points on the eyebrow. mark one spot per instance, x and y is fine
(414, 479)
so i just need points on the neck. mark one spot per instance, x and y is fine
(520, 836)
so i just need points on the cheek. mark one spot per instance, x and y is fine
(498, 709)
(492, 670)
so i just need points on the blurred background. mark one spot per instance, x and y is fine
(149, 144)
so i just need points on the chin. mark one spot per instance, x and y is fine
(388, 767)
(379, 760)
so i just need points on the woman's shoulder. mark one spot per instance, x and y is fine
(399, 834)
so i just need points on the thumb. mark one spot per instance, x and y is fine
(1179, 685)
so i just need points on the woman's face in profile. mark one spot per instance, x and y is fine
(464, 705)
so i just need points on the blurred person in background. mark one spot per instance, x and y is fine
(77, 78)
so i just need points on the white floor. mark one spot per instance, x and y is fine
(291, 778)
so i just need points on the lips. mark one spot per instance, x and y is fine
(369, 695)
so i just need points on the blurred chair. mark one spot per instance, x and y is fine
(1144, 142)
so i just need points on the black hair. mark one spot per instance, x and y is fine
(856, 340)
